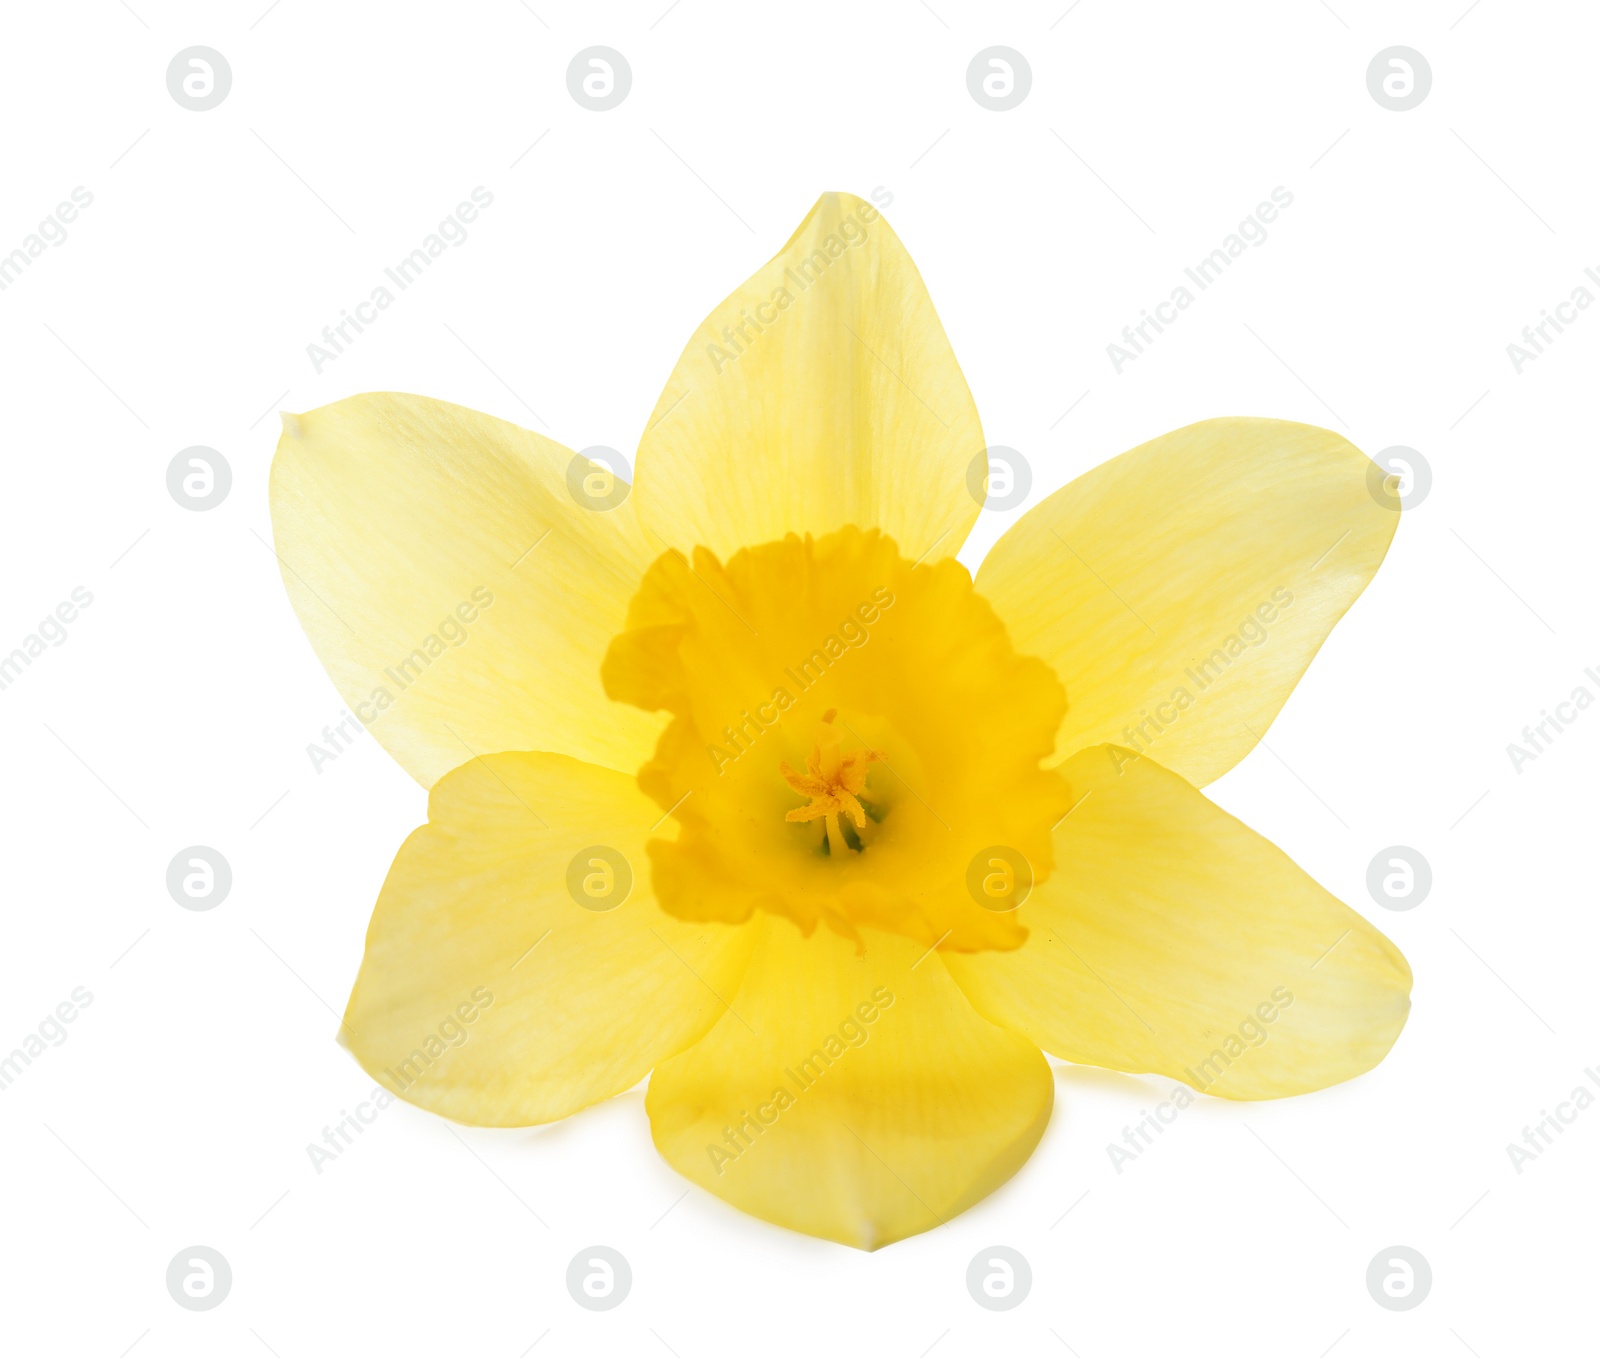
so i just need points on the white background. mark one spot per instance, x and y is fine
(179, 709)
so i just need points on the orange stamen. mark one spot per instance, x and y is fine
(835, 782)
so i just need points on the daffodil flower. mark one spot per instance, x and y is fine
(742, 782)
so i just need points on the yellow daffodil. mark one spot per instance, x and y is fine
(742, 782)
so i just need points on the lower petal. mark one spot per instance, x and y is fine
(854, 1097)
(488, 992)
(1173, 939)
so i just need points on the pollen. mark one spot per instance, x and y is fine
(834, 780)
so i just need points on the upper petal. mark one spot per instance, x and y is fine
(488, 993)
(854, 1097)
(1181, 589)
(821, 392)
(1174, 939)
(458, 594)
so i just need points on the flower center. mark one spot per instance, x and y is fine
(885, 693)
(835, 782)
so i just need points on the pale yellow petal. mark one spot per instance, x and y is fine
(488, 993)
(822, 392)
(1173, 939)
(854, 1097)
(1181, 589)
(459, 596)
